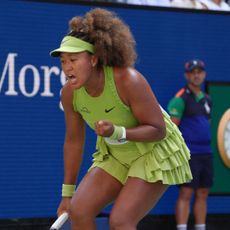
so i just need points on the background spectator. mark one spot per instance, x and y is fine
(150, 2)
(216, 5)
(190, 109)
(195, 4)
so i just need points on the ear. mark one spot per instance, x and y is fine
(94, 60)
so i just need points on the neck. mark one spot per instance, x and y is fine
(95, 85)
(194, 88)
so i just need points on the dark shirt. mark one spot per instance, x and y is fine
(194, 112)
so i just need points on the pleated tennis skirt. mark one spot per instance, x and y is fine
(166, 160)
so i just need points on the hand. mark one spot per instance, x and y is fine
(104, 128)
(64, 205)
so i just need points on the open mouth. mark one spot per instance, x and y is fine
(71, 78)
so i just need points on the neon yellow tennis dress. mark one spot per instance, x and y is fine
(165, 160)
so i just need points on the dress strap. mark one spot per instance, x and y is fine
(108, 71)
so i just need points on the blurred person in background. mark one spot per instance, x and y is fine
(193, 4)
(216, 5)
(190, 109)
(166, 3)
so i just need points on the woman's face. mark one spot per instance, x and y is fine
(77, 67)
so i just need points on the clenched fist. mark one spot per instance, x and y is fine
(104, 128)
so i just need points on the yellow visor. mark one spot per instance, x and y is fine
(71, 44)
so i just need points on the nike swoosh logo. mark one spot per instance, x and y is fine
(109, 110)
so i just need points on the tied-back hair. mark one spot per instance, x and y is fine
(113, 41)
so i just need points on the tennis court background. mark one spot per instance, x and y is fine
(31, 120)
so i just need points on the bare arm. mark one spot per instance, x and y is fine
(138, 95)
(73, 144)
(74, 137)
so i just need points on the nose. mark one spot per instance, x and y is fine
(68, 66)
(68, 70)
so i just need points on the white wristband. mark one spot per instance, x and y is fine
(123, 136)
(118, 137)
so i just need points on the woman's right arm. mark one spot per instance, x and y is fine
(73, 143)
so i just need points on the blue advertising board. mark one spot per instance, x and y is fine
(31, 117)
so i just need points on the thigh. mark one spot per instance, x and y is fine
(96, 190)
(136, 198)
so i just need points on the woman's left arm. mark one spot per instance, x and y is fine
(136, 93)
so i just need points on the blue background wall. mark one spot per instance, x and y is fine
(31, 121)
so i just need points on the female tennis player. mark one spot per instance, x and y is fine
(140, 152)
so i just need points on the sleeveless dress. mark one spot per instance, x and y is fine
(165, 160)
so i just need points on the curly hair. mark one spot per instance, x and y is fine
(113, 41)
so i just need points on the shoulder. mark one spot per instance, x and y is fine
(129, 77)
(180, 93)
(128, 73)
(67, 95)
(67, 90)
(131, 85)
(178, 97)
(176, 105)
